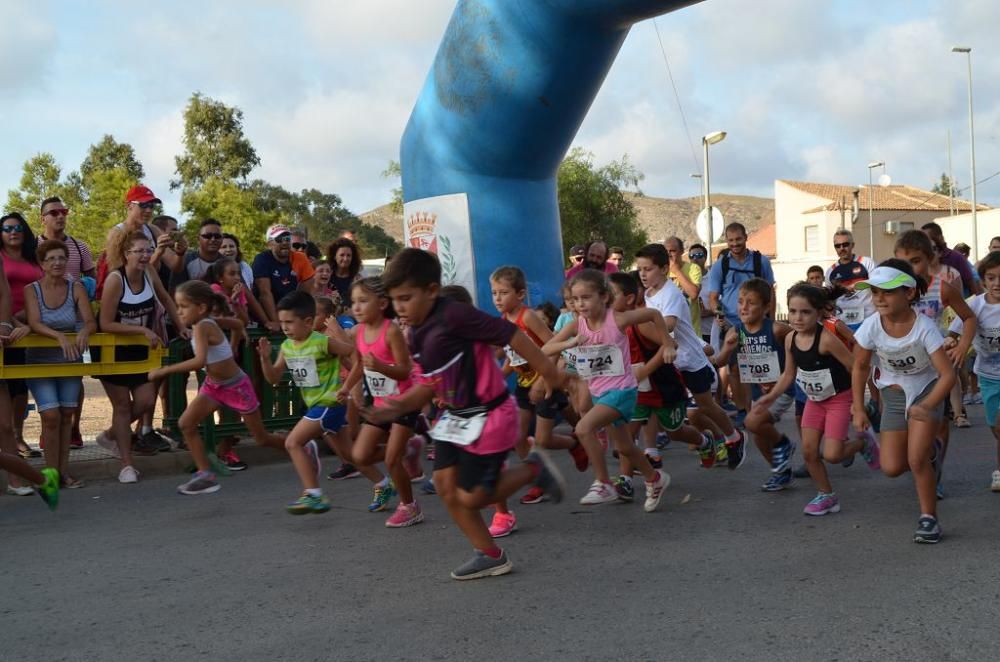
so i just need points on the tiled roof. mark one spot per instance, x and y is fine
(764, 240)
(896, 197)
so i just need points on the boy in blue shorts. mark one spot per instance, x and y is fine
(313, 360)
(452, 348)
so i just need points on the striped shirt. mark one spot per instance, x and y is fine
(80, 259)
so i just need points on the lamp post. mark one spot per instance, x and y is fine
(871, 221)
(710, 139)
(972, 151)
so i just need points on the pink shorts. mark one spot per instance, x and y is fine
(831, 416)
(237, 393)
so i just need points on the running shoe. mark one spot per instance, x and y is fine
(312, 452)
(967, 399)
(874, 415)
(822, 504)
(655, 460)
(202, 482)
(721, 455)
(870, 451)
(847, 461)
(158, 441)
(599, 493)
(624, 488)
(108, 444)
(380, 497)
(928, 530)
(406, 514)
(147, 444)
(781, 456)
(233, 461)
(977, 398)
(995, 484)
(580, 459)
(503, 524)
(481, 565)
(549, 478)
(534, 495)
(23, 490)
(706, 452)
(739, 418)
(801, 471)
(49, 490)
(307, 504)
(427, 487)
(76, 439)
(727, 405)
(778, 481)
(345, 471)
(654, 491)
(128, 475)
(961, 421)
(737, 450)
(662, 440)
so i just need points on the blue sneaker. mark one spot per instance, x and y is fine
(778, 481)
(381, 496)
(662, 440)
(624, 488)
(739, 418)
(307, 504)
(427, 487)
(781, 456)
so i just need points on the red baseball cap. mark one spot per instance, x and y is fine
(140, 193)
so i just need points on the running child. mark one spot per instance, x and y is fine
(510, 288)
(986, 308)
(603, 361)
(382, 364)
(820, 364)
(662, 396)
(313, 359)
(227, 280)
(915, 248)
(225, 385)
(759, 343)
(914, 377)
(452, 346)
(46, 481)
(698, 373)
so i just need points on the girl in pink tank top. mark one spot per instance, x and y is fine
(382, 362)
(600, 353)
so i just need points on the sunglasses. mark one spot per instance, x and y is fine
(145, 205)
(696, 256)
(845, 244)
(211, 236)
(283, 239)
(13, 228)
(299, 246)
(57, 212)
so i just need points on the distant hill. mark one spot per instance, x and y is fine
(660, 217)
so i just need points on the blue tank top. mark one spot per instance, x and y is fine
(760, 357)
(63, 319)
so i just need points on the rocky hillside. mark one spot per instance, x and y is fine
(660, 217)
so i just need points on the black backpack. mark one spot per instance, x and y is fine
(757, 266)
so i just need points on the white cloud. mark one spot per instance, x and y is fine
(27, 46)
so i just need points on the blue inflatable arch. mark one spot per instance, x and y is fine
(510, 85)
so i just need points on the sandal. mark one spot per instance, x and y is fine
(70, 483)
(27, 452)
(962, 422)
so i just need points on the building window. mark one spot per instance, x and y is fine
(812, 238)
(905, 226)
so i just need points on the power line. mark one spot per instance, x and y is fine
(932, 195)
(680, 107)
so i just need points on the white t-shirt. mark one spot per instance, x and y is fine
(670, 302)
(987, 338)
(906, 361)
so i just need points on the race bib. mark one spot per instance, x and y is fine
(761, 368)
(513, 358)
(303, 370)
(379, 385)
(852, 310)
(599, 361)
(569, 356)
(816, 384)
(457, 430)
(987, 346)
(644, 385)
(909, 360)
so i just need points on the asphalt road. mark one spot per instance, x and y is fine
(721, 572)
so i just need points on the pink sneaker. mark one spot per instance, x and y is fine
(503, 524)
(870, 451)
(406, 514)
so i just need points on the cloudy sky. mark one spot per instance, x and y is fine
(807, 89)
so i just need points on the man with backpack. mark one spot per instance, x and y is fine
(734, 267)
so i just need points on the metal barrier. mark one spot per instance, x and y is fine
(104, 364)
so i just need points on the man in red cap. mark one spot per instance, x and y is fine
(140, 203)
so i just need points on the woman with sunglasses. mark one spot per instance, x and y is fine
(132, 303)
(20, 266)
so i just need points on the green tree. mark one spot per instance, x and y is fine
(214, 145)
(592, 205)
(109, 154)
(41, 177)
(237, 207)
(394, 171)
(945, 185)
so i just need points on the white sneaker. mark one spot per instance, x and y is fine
(108, 444)
(994, 486)
(654, 490)
(599, 493)
(128, 475)
(24, 490)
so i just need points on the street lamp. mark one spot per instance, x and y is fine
(871, 222)
(710, 139)
(972, 151)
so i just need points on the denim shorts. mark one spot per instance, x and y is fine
(621, 400)
(55, 392)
